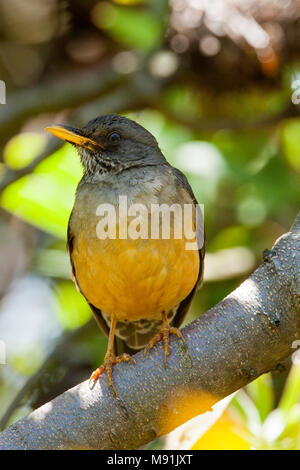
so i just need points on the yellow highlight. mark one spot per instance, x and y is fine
(183, 406)
(225, 434)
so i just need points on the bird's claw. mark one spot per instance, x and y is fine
(109, 361)
(164, 334)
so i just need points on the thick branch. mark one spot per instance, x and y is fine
(130, 96)
(52, 97)
(245, 335)
(81, 89)
(212, 125)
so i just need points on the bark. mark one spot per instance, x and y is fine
(247, 334)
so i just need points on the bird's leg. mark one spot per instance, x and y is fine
(164, 333)
(110, 360)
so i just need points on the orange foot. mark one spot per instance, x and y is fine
(164, 333)
(109, 361)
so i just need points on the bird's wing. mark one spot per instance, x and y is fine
(184, 305)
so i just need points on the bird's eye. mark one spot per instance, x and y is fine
(114, 137)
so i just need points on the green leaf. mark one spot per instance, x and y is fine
(131, 27)
(291, 393)
(45, 198)
(261, 392)
(71, 307)
(23, 148)
(291, 142)
(42, 200)
(229, 237)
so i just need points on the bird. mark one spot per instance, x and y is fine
(139, 288)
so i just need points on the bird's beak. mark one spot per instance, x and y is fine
(73, 135)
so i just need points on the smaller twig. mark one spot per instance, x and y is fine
(212, 125)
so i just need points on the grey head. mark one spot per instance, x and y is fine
(112, 143)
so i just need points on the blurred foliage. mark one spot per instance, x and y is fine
(269, 427)
(140, 29)
(71, 308)
(45, 198)
(225, 126)
(22, 149)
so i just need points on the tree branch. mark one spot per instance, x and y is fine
(247, 334)
(137, 93)
(72, 92)
(69, 92)
(213, 125)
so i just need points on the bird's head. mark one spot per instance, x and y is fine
(111, 142)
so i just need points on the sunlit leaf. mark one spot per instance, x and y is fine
(182, 101)
(225, 434)
(239, 148)
(64, 161)
(229, 237)
(291, 393)
(128, 2)
(291, 142)
(42, 200)
(45, 198)
(131, 27)
(71, 307)
(261, 392)
(23, 148)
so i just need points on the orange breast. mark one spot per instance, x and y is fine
(134, 279)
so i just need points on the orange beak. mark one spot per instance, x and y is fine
(74, 136)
